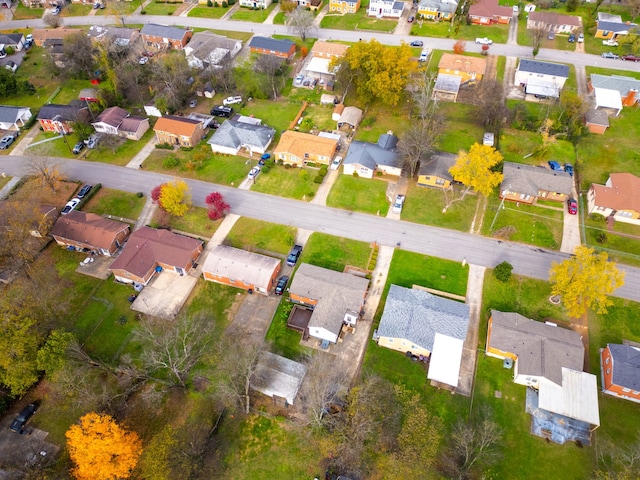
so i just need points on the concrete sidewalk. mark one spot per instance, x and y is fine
(6, 190)
(25, 140)
(320, 198)
(142, 155)
(274, 12)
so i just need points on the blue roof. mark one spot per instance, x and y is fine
(371, 155)
(615, 27)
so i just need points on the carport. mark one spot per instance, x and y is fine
(608, 99)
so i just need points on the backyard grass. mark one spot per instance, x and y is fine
(115, 203)
(20, 12)
(249, 234)
(207, 12)
(161, 8)
(321, 115)
(460, 131)
(335, 253)
(522, 146)
(278, 114)
(287, 182)
(424, 205)
(214, 300)
(524, 223)
(195, 222)
(358, 21)
(249, 15)
(285, 341)
(622, 242)
(359, 195)
(378, 120)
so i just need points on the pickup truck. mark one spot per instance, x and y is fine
(610, 43)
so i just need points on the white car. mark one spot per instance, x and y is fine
(610, 43)
(397, 206)
(299, 79)
(232, 100)
(143, 60)
(71, 205)
(484, 41)
(253, 173)
(336, 163)
(424, 55)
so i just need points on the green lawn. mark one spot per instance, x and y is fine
(252, 235)
(530, 224)
(460, 130)
(359, 195)
(244, 36)
(357, 21)
(123, 154)
(287, 182)
(278, 114)
(195, 222)
(279, 19)
(161, 8)
(608, 69)
(497, 33)
(335, 253)
(285, 341)
(521, 146)
(378, 120)
(424, 205)
(116, 203)
(622, 242)
(25, 13)
(214, 300)
(249, 15)
(207, 12)
(56, 147)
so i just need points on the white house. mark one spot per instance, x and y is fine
(12, 118)
(385, 8)
(543, 79)
(255, 3)
(366, 158)
(207, 50)
(233, 136)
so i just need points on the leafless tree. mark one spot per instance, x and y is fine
(490, 100)
(47, 171)
(21, 220)
(301, 22)
(273, 68)
(172, 80)
(417, 142)
(617, 461)
(345, 75)
(80, 59)
(51, 20)
(537, 35)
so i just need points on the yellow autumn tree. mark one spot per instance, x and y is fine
(101, 449)
(475, 169)
(175, 198)
(585, 281)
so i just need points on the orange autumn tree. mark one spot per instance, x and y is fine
(101, 449)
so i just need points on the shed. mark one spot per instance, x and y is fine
(597, 121)
(277, 376)
(351, 117)
(447, 87)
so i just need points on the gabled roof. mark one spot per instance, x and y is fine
(551, 18)
(209, 47)
(489, 8)
(438, 165)
(336, 294)
(542, 350)
(9, 114)
(112, 116)
(350, 116)
(88, 228)
(248, 267)
(417, 316)
(371, 155)
(615, 27)
(68, 113)
(164, 31)
(11, 38)
(278, 376)
(596, 116)
(544, 68)
(615, 82)
(177, 125)
(276, 45)
(42, 34)
(298, 143)
(445, 6)
(329, 49)
(132, 124)
(463, 63)
(529, 180)
(148, 246)
(234, 134)
(622, 192)
(625, 366)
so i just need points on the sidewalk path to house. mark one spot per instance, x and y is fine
(274, 12)
(320, 16)
(142, 155)
(320, 198)
(26, 139)
(513, 31)
(231, 11)
(139, 9)
(6, 190)
(146, 215)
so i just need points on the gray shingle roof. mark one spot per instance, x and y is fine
(65, 112)
(165, 31)
(530, 180)
(615, 82)
(235, 134)
(9, 114)
(371, 155)
(11, 38)
(438, 165)
(417, 315)
(542, 349)
(626, 365)
(274, 44)
(251, 268)
(544, 68)
(615, 27)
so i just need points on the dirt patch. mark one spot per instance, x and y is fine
(32, 190)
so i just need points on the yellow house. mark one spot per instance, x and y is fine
(437, 9)
(344, 6)
(297, 148)
(468, 68)
(435, 171)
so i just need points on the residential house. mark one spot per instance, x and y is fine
(417, 323)
(133, 128)
(385, 8)
(271, 46)
(255, 4)
(542, 79)
(42, 35)
(365, 158)
(119, 36)
(173, 130)
(312, 5)
(150, 250)
(344, 6)
(13, 40)
(13, 118)
(618, 198)
(627, 87)
(440, 10)
(60, 118)
(469, 69)
(620, 366)
(160, 37)
(206, 50)
(297, 148)
(488, 12)
(435, 171)
(527, 183)
(561, 398)
(350, 118)
(447, 87)
(89, 232)
(336, 299)
(597, 121)
(278, 377)
(554, 22)
(241, 269)
(328, 50)
(117, 121)
(322, 54)
(233, 136)
(610, 27)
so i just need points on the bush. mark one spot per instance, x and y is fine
(318, 179)
(368, 121)
(323, 170)
(287, 166)
(170, 162)
(503, 271)
(209, 3)
(10, 50)
(186, 149)
(304, 174)
(139, 194)
(224, 4)
(601, 237)
(164, 146)
(355, 174)
(594, 217)
(265, 168)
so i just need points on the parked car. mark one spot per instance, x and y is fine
(424, 55)
(143, 60)
(294, 255)
(484, 41)
(56, 10)
(232, 100)
(93, 141)
(397, 205)
(555, 166)
(610, 55)
(221, 111)
(96, 5)
(572, 38)
(568, 168)
(282, 284)
(411, 18)
(581, 38)
(610, 43)
(336, 163)
(551, 35)
(78, 147)
(6, 141)
(572, 206)
(253, 173)
(264, 158)
(84, 190)
(417, 43)
(71, 205)
(630, 58)
(299, 79)
(23, 417)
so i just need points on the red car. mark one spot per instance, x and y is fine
(572, 206)
(630, 58)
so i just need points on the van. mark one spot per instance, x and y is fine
(424, 55)
(221, 111)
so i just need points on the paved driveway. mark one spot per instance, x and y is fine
(165, 295)
(22, 451)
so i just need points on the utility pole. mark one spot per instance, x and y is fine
(501, 206)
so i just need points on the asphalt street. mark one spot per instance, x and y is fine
(458, 246)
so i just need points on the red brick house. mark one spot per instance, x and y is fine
(151, 250)
(89, 232)
(158, 37)
(181, 131)
(270, 46)
(60, 118)
(620, 365)
(488, 12)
